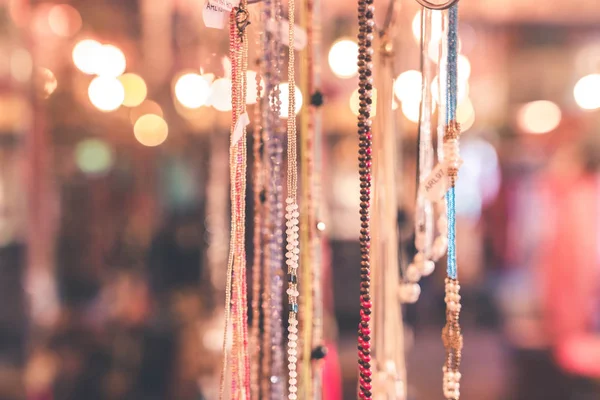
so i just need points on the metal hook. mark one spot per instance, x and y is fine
(242, 20)
(433, 6)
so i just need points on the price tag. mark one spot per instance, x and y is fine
(214, 16)
(436, 184)
(238, 130)
(226, 5)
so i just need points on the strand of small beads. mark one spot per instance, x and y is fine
(292, 213)
(451, 334)
(366, 23)
(236, 307)
(440, 243)
(422, 265)
(276, 201)
(259, 219)
(267, 197)
(307, 219)
(313, 335)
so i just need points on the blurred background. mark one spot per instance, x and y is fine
(114, 130)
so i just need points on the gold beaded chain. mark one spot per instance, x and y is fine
(236, 306)
(311, 320)
(292, 214)
(307, 215)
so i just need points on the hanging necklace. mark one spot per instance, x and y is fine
(258, 265)
(292, 214)
(307, 227)
(451, 334)
(387, 325)
(366, 23)
(440, 244)
(272, 385)
(429, 249)
(310, 258)
(236, 300)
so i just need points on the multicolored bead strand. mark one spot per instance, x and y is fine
(366, 11)
(451, 334)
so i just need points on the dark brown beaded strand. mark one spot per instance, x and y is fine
(366, 9)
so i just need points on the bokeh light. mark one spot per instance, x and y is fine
(135, 89)
(407, 86)
(147, 107)
(539, 117)
(192, 90)
(355, 102)
(109, 61)
(220, 94)
(106, 94)
(343, 58)
(84, 55)
(45, 82)
(151, 130)
(587, 92)
(463, 68)
(285, 100)
(436, 26)
(479, 178)
(465, 115)
(64, 20)
(21, 65)
(93, 156)
(411, 110)
(39, 21)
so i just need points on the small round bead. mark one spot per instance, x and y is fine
(427, 267)
(412, 273)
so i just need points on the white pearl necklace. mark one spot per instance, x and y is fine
(292, 259)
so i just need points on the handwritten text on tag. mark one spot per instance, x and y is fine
(436, 184)
(226, 5)
(214, 16)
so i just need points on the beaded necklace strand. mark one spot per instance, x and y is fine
(273, 378)
(258, 262)
(236, 297)
(451, 334)
(292, 214)
(307, 212)
(366, 11)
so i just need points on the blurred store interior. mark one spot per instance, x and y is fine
(114, 137)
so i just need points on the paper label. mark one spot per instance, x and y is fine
(240, 126)
(214, 16)
(436, 184)
(300, 37)
(226, 5)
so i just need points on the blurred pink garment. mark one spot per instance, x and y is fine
(332, 379)
(569, 270)
(580, 354)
